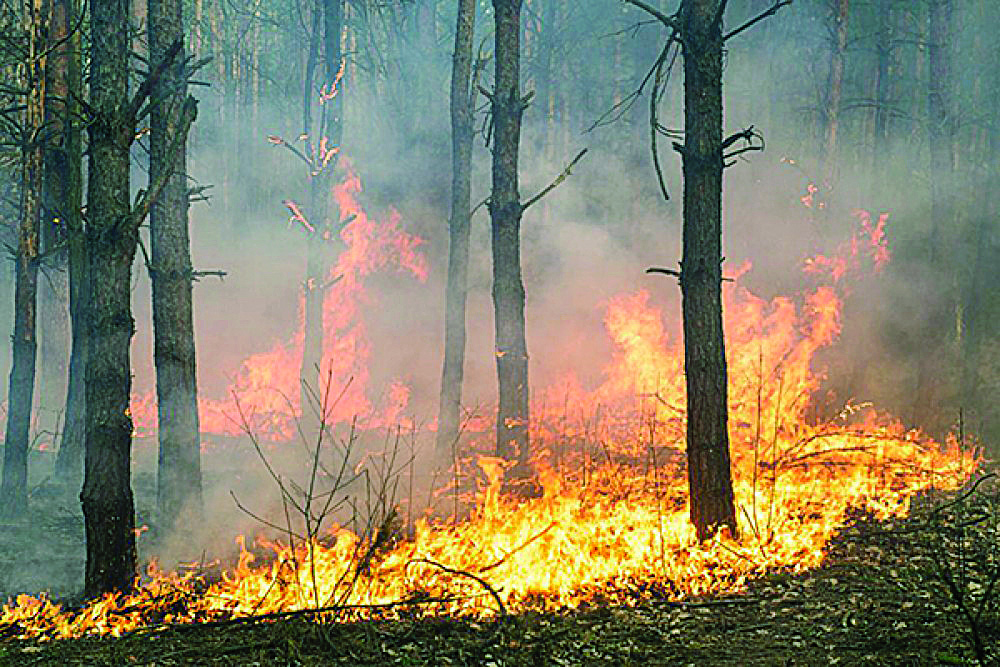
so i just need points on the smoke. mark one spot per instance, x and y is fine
(587, 241)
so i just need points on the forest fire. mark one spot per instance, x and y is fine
(267, 384)
(611, 525)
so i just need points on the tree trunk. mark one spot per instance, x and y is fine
(709, 476)
(14, 485)
(322, 218)
(505, 213)
(69, 461)
(178, 492)
(57, 204)
(835, 91)
(462, 130)
(108, 509)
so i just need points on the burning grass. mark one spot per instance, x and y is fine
(611, 525)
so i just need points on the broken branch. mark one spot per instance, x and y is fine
(559, 179)
(757, 19)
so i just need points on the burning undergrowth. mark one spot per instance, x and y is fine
(611, 524)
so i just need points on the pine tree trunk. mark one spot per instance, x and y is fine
(69, 461)
(178, 492)
(14, 485)
(108, 508)
(462, 129)
(709, 475)
(505, 213)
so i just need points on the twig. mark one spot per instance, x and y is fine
(146, 198)
(463, 573)
(521, 547)
(669, 21)
(559, 179)
(757, 19)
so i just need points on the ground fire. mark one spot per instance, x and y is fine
(611, 524)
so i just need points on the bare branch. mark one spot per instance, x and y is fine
(559, 179)
(146, 198)
(148, 84)
(669, 21)
(757, 19)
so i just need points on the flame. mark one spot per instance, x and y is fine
(612, 522)
(266, 385)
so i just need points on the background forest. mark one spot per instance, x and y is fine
(842, 92)
(319, 146)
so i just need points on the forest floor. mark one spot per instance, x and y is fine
(882, 598)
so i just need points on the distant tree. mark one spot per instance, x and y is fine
(941, 129)
(323, 145)
(178, 492)
(839, 14)
(462, 131)
(14, 485)
(60, 194)
(67, 186)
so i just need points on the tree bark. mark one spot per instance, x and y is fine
(505, 213)
(108, 508)
(69, 461)
(178, 492)
(709, 475)
(14, 485)
(462, 131)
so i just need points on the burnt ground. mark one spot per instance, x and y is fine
(883, 598)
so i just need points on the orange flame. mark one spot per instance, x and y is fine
(612, 523)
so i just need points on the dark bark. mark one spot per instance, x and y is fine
(14, 485)
(462, 130)
(178, 492)
(505, 213)
(69, 461)
(322, 217)
(709, 475)
(108, 508)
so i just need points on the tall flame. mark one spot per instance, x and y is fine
(266, 385)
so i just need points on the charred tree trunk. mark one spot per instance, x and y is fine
(835, 90)
(326, 33)
(69, 461)
(462, 102)
(108, 509)
(178, 492)
(505, 213)
(14, 485)
(709, 475)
